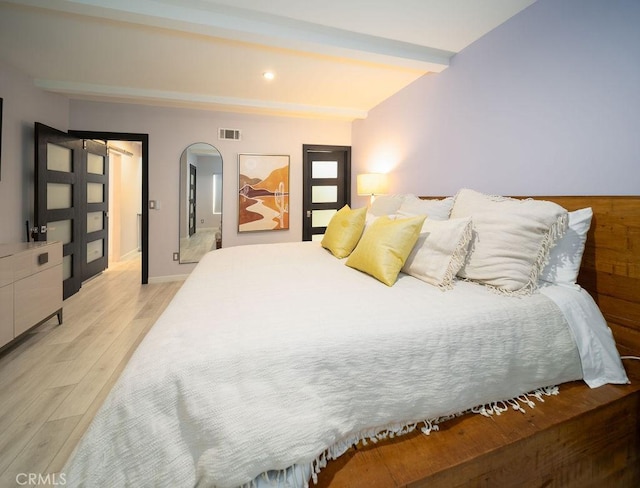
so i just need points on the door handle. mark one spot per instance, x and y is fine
(308, 213)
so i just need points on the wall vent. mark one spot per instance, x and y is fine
(233, 134)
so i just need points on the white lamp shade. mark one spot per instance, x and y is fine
(371, 184)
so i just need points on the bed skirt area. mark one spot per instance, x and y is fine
(580, 438)
(305, 476)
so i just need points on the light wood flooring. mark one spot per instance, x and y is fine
(194, 247)
(52, 383)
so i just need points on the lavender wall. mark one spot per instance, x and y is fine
(547, 103)
(171, 130)
(23, 105)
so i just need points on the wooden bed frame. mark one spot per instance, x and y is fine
(582, 437)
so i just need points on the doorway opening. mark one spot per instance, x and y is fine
(122, 144)
(125, 187)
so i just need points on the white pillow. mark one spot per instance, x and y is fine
(440, 251)
(386, 204)
(566, 256)
(511, 239)
(437, 209)
(370, 218)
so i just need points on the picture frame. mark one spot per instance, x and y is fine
(263, 192)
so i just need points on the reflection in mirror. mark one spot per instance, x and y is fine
(200, 201)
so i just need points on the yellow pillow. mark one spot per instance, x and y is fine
(385, 246)
(344, 231)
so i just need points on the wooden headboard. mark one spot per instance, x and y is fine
(610, 269)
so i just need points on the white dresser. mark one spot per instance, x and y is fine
(30, 286)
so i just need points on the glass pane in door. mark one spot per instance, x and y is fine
(95, 221)
(95, 250)
(59, 196)
(59, 231)
(321, 218)
(324, 169)
(59, 158)
(67, 267)
(95, 164)
(95, 192)
(324, 194)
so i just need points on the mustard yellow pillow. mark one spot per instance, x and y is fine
(384, 247)
(344, 231)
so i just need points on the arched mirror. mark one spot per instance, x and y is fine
(200, 201)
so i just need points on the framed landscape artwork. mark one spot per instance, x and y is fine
(263, 192)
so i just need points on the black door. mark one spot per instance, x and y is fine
(95, 205)
(326, 177)
(192, 200)
(71, 202)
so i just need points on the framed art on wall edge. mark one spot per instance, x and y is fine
(1, 100)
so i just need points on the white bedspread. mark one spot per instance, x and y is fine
(271, 354)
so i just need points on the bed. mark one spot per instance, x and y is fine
(249, 372)
(582, 437)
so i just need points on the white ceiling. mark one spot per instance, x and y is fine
(331, 58)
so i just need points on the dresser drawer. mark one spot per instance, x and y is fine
(37, 297)
(37, 259)
(6, 270)
(6, 314)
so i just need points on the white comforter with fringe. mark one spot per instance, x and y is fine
(275, 355)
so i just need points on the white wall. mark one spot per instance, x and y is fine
(131, 196)
(115, 198)
(547, 103)
(23, 105)
(171, 130)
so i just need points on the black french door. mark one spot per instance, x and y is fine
(71, 202)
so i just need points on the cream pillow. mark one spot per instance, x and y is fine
(384, 247)
(386, 204)
(566, 256)
(344, 231)
(370, 218)
(511, 239)
(434, 208)
(440, 251)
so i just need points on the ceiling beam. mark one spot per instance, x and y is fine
(110, 92)
(227, 22)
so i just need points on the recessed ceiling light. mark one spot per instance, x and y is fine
(268, 75)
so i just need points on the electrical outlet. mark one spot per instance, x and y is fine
(176, 256)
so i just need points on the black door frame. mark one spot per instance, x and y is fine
(144, 139)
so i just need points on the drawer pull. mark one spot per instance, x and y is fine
(43, 258)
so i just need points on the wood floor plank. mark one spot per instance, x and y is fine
(90, 385)
(28, 422)
(40, 450)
